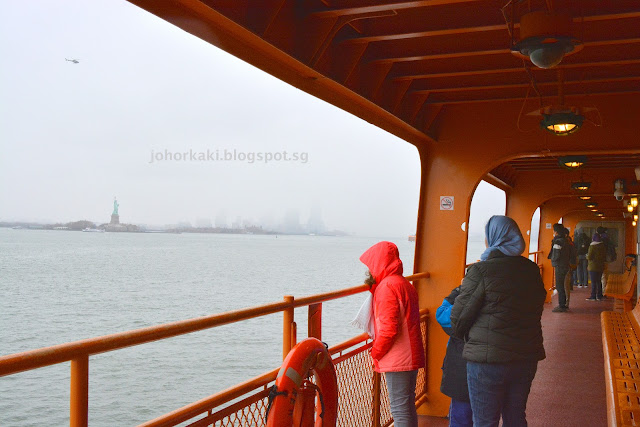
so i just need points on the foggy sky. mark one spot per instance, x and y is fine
(73, 136)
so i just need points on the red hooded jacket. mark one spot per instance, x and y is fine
(398, 342)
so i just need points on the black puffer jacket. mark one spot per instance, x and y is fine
(498, 310)
(560, 254)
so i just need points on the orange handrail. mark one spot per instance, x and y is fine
(32, 359)
(78, 352)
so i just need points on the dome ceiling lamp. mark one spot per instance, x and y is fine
(585, 197)
(561, 119)
(572, 162)
(591, 205)
(580, 186)
(545, 38)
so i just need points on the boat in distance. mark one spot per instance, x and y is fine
(92, 230)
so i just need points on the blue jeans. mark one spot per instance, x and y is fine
(596, 284)
(402, 397)
(583, 275)
(500, 389)
(460, 414)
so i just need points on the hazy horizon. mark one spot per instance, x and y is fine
(74, 135)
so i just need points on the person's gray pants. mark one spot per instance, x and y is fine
(402, 397)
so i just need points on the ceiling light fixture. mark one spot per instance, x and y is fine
(572, 162)
(634, 202)
(592, 205)
(585, 197)
(561, 122)
(581, 186)
(600, 214)
(545, 38)
(629, 208)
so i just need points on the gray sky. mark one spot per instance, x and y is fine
(73, 136)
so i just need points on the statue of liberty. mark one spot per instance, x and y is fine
(115, 218)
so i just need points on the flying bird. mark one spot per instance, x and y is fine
(75, 61)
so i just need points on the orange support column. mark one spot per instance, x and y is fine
(314, 328)
(441, 240)
(79, 407)
(288, 327)
(377, 384)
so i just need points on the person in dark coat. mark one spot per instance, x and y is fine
(597, 257)
(560, 256)
(497, 314)
(454, 369)
(582, 243)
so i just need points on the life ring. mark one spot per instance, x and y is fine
(291, 391)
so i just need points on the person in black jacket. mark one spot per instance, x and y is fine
(582, 243)
(454, 368)
(497, 314)
(560, 256)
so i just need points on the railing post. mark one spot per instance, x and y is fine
(79, 405)
(375, 416)
(287, 327)
(315, 321)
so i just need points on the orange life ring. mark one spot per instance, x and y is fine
(307, 356)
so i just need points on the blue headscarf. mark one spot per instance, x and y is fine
(502, 233)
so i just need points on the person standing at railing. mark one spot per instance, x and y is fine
(397, 350)
(454, 368)
(498, 315)
(560, 256)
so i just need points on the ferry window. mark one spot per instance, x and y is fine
(162, 179)
(488, 200)
(535, 233)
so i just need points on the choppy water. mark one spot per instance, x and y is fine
(60, 286)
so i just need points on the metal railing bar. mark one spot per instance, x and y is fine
(304, 301)
(349, 343)
(214, 417)
(352, 353)
(32, 359)
(196, 408)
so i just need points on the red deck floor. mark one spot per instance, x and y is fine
(569, 389)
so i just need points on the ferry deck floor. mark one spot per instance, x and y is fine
(569, 388)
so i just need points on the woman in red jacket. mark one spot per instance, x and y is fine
(397, 348)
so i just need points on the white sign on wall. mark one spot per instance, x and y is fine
(446, 203)
(548, 226)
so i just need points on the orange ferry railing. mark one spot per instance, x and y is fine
(78, 353)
